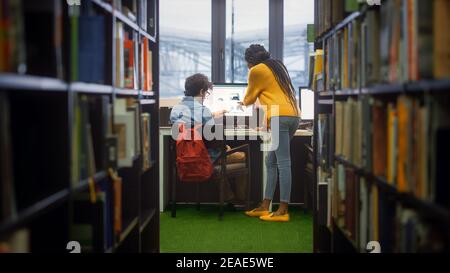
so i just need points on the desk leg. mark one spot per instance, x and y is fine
(162, 174)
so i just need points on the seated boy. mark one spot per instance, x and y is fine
(191, 110)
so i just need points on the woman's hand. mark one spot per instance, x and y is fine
(240, 106)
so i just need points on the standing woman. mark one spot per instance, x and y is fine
(269, 82)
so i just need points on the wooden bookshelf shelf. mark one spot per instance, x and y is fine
(90, 88)
(346, 234)
(84, 184)
(326, 101)
(27, 82)
(106, 6)
(347, 92)
(146, 217)
(26, 215)
(127, 21)
(408, 88)
(345, 22)
(325, 94)
(122, 17)
(127, 230)
(126, 92)
(147, 101)
(148, 36)
(428, 86)
(384, 89)
(147, 93)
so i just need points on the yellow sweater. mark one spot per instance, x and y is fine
(262, 84)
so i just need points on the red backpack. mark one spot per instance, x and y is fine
(193, 161)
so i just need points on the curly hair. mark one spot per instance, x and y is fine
(257, 54)
(196, 83)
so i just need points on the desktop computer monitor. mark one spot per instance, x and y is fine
(306, 99)
(226, 97)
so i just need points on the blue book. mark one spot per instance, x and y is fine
(91, 45)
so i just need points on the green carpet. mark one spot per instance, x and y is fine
(195, 231)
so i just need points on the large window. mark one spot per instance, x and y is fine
(186, 39)
(247, 22)
(185, 43)
(297, 15)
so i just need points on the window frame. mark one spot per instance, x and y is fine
(218, 32)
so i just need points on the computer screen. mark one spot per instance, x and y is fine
(307, 104)
(226, 97)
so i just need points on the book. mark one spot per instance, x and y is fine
(364, 213)
(91, 49)
(392, 144)
(146, 142)
(12, 38)
(379, 139)
(125, 128)
(7, 195)
(119, 60)
(441, 51)
(17, 242)
(147, 62)
(404, 108)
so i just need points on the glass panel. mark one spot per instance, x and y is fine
(247, 23)
(185, 43)
(297, 15)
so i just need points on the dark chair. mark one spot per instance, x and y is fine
(222, 172)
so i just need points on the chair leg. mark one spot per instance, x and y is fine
(221, 195)
(198, 196)
(249, 184)
(174, 191)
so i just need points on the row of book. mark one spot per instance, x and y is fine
(365, 213)
(401, 41)
(31, 40)
(329, 13)
(99, 230)
(133, 60)
(92, 128)
(401, 140)
(136, 10)
(132, 126)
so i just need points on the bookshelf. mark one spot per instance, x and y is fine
(381, 114)
(78, 135)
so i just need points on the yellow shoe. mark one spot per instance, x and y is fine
(272, 218)
(256, 213)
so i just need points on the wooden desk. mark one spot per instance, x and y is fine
(234, 136)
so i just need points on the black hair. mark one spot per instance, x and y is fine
(257, 54)
(196, 83)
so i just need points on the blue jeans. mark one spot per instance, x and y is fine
(284, 129)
